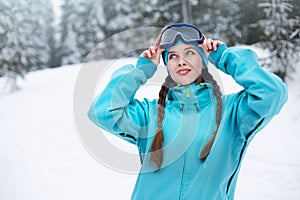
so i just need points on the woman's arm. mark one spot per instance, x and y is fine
(264, 93)
(115, 109)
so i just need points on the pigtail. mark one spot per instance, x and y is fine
(209, 78)
(156, 146)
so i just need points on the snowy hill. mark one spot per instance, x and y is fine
(42, 155)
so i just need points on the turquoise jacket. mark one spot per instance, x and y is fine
(189, 123)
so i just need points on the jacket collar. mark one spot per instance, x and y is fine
(191, 97)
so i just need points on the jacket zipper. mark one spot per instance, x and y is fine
(183, 168)
(182, 175)
(241, 155)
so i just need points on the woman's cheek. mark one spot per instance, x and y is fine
(171, 67)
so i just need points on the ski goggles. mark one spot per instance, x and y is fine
(186, 32)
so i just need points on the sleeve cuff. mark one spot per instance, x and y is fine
(147, 66)
(215, 56)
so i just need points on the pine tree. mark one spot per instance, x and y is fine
(12, 61)
(41, 18)
(246, 19)
(158, 13)
(50, 28)
(117, 17)
(24, 41)
(89, 33)
(218, 19)
(282, 44)
(80, 29)
(69, 49)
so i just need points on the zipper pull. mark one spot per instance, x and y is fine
(188, 92)
(181, 107)
(196, 106)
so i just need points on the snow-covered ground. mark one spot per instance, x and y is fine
(42, 156)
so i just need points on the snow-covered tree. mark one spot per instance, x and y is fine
(246, 22)
(281, 32)
(158, 13)
(69, 51)
(80, 29)
(218, 19)
(41, 17)
(12, 59)
(24, 28)
(120, 17)
(117, 16)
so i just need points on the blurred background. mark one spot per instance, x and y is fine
(46, 44)
(38, 34)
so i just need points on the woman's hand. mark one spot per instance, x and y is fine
(153, 53)
(210, 45)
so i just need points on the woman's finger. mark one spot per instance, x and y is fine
(209, 43)
(216, 44)
(205, 44)
(152, 50)
(149, 54)
(146, 54)
(157, 42)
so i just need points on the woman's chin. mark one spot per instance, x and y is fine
(185, 82)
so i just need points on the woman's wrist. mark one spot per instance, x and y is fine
(215, 56)
(147, 66)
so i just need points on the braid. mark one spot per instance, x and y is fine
(156, 146)
(209, 78)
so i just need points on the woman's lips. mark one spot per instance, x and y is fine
(183, 72)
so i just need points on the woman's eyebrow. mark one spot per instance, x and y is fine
(184, 50)
(189, 48)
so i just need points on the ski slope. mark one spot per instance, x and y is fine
(42, 155)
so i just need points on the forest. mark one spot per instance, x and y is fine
(34, 37)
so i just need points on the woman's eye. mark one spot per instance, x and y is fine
(172, 56)
(190, 52)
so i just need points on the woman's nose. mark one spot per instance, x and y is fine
(181, 61)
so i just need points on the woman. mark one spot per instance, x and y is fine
(192, 139)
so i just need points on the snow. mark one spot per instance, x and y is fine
(43, 155)
(57, 7)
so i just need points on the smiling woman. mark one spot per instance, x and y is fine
(184, 63)
(192, 139)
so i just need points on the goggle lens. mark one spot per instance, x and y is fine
(187, 32)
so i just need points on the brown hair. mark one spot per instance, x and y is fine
(156, 147)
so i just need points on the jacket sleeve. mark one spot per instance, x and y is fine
(264, 93)
(115, 109)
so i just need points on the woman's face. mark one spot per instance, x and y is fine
(184, 64)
